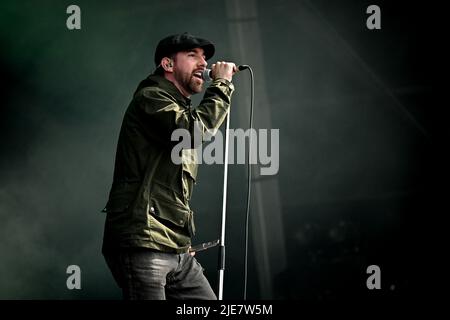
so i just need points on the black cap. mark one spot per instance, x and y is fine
(182, 42)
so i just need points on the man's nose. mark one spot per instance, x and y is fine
(203, 63)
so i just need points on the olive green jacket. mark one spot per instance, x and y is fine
(148, 203)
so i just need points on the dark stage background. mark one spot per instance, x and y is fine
(356, 111)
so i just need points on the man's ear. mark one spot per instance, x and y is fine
(167, 64)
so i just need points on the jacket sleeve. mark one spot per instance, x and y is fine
(163, 114)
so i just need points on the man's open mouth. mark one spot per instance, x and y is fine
(198, 74)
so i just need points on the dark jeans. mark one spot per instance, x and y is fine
(145, 274)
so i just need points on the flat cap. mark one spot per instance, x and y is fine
(182, 42)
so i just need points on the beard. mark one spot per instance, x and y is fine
(189, 82)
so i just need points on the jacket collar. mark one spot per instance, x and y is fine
(168, 86)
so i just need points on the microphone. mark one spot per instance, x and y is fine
(207, 74)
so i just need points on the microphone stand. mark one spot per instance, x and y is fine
(207, 75)
(224, 208)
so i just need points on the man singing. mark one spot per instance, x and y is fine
(149, 223)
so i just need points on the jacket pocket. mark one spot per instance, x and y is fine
(167, 205)
(168, 211)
